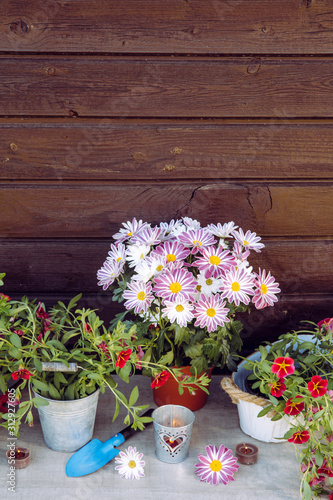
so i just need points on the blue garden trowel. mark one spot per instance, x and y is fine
(96, 454)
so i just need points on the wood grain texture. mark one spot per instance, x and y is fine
(116, 150)
(98, 210)
(166, 87)
(167, 26)
(51, 266)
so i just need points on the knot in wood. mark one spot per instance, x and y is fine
(19, 27)
(254, 66)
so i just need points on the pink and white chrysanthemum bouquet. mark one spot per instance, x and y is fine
(184, 283)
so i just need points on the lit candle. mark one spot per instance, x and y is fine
(18, 457)
(247, 453)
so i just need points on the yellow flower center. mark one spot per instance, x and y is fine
(211, 312)
(197, 243)
(171, 257)
(264, 288)
(129, 234)
(179, 308)
(175, 287)
(131, 464)
(141, 256)
(245, 243)
(235, 287)
(118, 260)
(216, 466)
(159, 268)
(214, 260)
(141, 296)
(209, 282)
(198, 287)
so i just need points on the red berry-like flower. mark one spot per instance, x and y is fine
(4, 297)
(123, 357)
(283, 367)
(317, 386)
(104, 348)
(299, 437)
(294, 408)
(277, 388)
(160, 379)
(23, 373)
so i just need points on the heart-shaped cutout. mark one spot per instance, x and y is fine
(173, 443)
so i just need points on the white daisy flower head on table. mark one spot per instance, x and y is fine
(130, 463)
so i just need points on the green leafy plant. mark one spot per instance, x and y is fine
(296, 375)
(33, 341)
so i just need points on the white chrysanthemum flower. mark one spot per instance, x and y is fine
(208, 284)
(222, 231)
(117, 254)
(149, 268)
(191, 223)
(136, 254)
(169, 230)
(130, 463)
(107, 274)
(178, 311)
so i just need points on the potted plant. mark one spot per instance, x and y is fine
(296, 375)
(65, 356)
(184, 285)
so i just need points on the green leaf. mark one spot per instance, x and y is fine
(54, 394)
(74, 301)
(94, 376)
(193, 351)
(38, 365)
(319, 459)
(60, 379)
(69, 393)
(15, 340)
(263, 353)
(3, 385)
(167, 359)
(57, 344)
(41, 386)
(307, 491)
(116, 411)
(40, 402)
(14, 353)
(124, 372)
(264, 411)
(134, 396)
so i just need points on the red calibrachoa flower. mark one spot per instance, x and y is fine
(104, 348)
(283, 367)
(160, 379)
(123, 357)
(4, 297)
(317, 386)
(277, 388)
(293, 408)
(23, 373)
(41, 313)
(299, 437)
(327, 322)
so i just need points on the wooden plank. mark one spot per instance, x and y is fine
(105, 149)
(96, 211)
(167, 26)
(51, 266)
(166, 87)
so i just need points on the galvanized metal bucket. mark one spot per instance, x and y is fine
(68, 425)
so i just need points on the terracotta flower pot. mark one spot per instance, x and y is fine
(168, 394)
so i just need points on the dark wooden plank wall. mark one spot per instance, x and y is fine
(218, 109)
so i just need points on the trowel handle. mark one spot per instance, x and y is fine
(128, 431)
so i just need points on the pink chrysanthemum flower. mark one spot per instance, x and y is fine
(131, 465)
(178, 311)
(237, 286)
(172, 251)
(107, 274)
(197, 239)
(266, 288)
(175, 284)
(211, 313)
(117, 255)
(138, 296)
(147, 236)
(170, 229)
(249, 240)
(216, 260)
(218, 466)
(130, 229)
